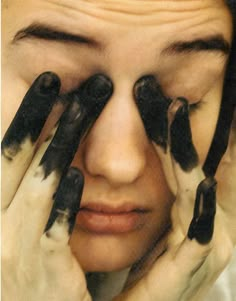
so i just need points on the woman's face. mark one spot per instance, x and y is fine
(126, 201)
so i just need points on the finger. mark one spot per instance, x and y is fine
(20, 139)
(183, 270)
(153, 106)
(202, 225)
(181, 145)
(35, 194)
(57, 257)
(64, 210)
(185, 161)
(190, 177)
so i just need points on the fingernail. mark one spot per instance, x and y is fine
(145, 88)
(48, 83)
(97, 87)
(202, 225)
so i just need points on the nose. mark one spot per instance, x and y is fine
(115, 148)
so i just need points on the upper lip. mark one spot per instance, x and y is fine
(108, 209)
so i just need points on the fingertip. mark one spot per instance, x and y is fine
(75, 176)
(48, 83)
(97, 87)
(202, 225)
(144, 87)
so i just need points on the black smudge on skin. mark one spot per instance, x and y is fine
(32, 113)
(67, 200)
(181, 145)
(86, 103)
(153, 106)
(202, 225)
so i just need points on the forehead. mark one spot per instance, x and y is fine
(126, 30)
(144, 13)
(124, 22)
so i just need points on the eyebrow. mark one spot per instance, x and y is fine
(48, 32)
(216, 43)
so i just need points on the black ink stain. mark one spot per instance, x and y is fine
(67, 199)
(182, 147)
(32, 113)
(202, 225)
(153, 106)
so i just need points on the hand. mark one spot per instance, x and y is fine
(202, 237)
(41, 193)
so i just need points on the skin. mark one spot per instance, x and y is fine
(118, 160)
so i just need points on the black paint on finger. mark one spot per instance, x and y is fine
(182, 147)
(86, 104)
(97, 88)
(153, 106)
(93, 96)
(64, 144)
(202, 224)
(32, 113)
(67, 199)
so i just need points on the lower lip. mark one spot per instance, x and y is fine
(110, 223)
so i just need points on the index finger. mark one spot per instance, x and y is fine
(19, 142)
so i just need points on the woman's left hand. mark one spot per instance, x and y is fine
(203, 235)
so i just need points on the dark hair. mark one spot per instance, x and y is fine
(220, 140)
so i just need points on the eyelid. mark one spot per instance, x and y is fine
(193, 107)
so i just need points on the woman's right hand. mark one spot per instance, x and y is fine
(41, 193)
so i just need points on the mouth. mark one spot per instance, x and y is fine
(103, 219)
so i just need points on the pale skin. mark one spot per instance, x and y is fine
(119, 162)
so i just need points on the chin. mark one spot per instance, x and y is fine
(107, 253)
(108, 263)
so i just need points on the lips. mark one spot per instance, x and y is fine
(103, 219)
